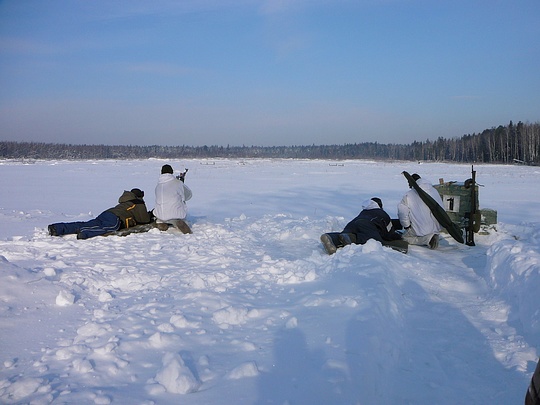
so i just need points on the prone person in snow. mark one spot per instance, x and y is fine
(372, 223)
(130, 211)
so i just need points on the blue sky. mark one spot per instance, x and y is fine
(243, 72)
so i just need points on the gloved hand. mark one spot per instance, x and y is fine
(181, 176)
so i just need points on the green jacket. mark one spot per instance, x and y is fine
(131, 210)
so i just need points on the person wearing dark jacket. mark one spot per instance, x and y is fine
(130, 211)
(372, 223)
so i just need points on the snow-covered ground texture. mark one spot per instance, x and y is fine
(249, 309)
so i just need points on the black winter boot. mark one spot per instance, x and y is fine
(328, 244)
(182, 225)
(347, 238)
(52, 230)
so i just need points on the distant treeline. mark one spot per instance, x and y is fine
(505, 144)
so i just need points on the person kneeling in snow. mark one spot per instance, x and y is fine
(171, 197)
(421, 227)
(130, 211)
(372, 223)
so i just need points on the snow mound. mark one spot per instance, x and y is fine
(175, 376)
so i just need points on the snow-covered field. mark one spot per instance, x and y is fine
(249, 309)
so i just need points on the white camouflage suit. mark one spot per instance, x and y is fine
(414, 213)
(171, 197)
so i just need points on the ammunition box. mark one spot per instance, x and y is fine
(457, 203)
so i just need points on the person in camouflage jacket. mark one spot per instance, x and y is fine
(130, 211)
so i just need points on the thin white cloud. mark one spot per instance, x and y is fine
(291, 45)
(270, 7)
(165, 69)
(26, 46)
(278, 6)
(137, 8)
(466, 97)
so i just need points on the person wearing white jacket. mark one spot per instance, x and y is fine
(171, 197)
(421, 227)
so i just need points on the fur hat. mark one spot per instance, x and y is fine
(137, 192)
(415, 177)
(166, 169)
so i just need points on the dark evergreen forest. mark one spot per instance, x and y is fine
(504, 144)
